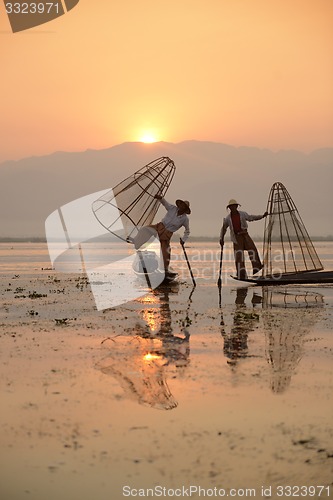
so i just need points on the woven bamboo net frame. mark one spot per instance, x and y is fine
(134, 199)
(287, 245)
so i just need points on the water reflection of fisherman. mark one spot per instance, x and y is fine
(235, 343)
(139, 364)
(175, 349)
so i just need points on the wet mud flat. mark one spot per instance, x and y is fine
(168, 390)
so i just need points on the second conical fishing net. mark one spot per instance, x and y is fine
(132, 203)
(287, 245)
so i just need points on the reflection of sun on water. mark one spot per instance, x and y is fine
(150, 357)
(152, 315)
(152, 319)
(147, 299)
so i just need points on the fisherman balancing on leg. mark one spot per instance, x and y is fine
(236, 220)
(175, 218)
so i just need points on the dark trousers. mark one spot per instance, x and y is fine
(164, 236)
(245, 242)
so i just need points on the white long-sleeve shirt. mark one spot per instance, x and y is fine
(244, 217)
(172, 221)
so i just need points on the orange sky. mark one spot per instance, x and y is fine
(243, 72)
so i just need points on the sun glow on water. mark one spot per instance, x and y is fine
(151, 357)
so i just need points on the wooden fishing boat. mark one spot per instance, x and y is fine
(311, 278)
(289, 254)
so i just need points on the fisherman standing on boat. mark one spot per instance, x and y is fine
(236, 220)
(175, 218)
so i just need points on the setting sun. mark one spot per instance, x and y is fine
(148, 138)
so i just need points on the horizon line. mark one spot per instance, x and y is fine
(42, 239)
(149, 145)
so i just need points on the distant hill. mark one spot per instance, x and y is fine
(208, 174)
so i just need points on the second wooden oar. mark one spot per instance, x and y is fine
(188, 263)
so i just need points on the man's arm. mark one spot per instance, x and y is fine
(187, 231)
(165, 203)
(223, 231)
(251, 218)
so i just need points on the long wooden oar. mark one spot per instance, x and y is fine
(144, 268)
(188, 264)
(219, 281)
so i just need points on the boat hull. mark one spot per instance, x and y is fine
(306, 278)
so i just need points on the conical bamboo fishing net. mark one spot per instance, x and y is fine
(287, 244)
(133, 200)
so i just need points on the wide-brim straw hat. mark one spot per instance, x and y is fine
(233, 202)
(184, 202)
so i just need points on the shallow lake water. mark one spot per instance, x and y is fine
(181, 388)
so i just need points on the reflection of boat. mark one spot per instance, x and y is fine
(289, 254)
